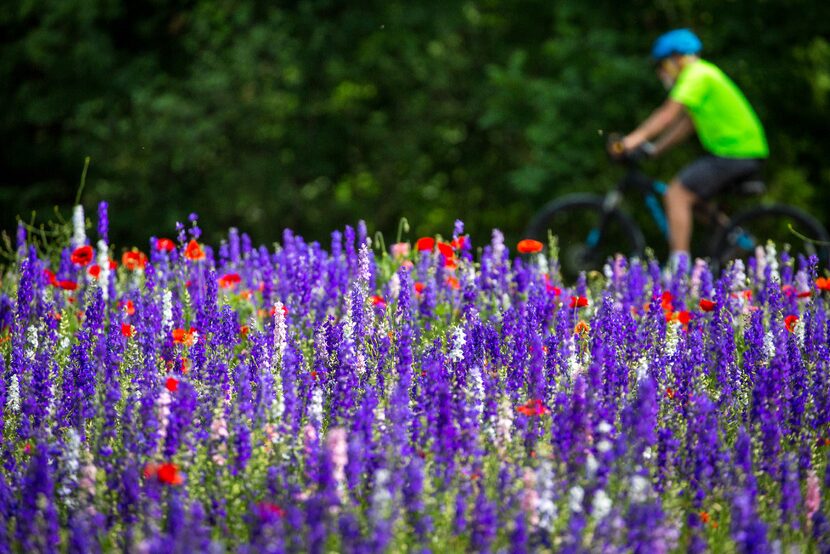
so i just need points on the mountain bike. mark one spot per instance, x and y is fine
(592, 228)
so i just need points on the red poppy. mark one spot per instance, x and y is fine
(169, 474)
(127, 306)
(446, 250)
(550, 287)
(127, 330)
(707, 305)
(133, 259)
(529, 246)
(823, 283)
(450, 263)
(453, 282)
(670, 393)
(533, 407)
(790, 321)
(244, 330)
(805, 294)
(94, 271)
(578, 301)
(704, 517)
(269, 509)
(378, 301)
(425, 244)
(181, 336)
(419, 287)
(172, 384)
(193, 251)
(229, 280)
(166, 245)
(51, 277)
(68, 285)
(82, 255)
(666, 301)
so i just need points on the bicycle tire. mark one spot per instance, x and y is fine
(572, 219)
(756, 226)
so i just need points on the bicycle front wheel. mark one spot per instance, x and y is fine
(588, 235)
(789, 228)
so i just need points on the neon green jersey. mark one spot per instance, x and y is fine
(726, 124)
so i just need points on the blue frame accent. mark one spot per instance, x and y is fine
(655, 208)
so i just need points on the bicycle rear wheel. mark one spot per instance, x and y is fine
(789, 228)
(587, 235)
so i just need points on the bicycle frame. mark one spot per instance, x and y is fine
(652, 190)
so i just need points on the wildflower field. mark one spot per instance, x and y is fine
(434, 396)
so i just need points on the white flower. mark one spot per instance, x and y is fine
(78, 226)
(13, 395)
(604, 446)
(167, 311)
(799, 332)
(546, 505)
(591, 465)
(672, 337)
(772, 261)
(348, 323)
(104, 264)
(601, 505)
(280, 331)
(394, 286)
(381, 497)
(769, 346)
(639, 488)
(604, 427)
(575, 496)
(31, 342)
(642, 368)
(315, 409)
(363, 273)
(458, 341)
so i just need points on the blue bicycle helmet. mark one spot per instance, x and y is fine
(678, 41)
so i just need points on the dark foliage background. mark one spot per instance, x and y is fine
(316, 113)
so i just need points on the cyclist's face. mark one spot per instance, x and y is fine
(667, 70)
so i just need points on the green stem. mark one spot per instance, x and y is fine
(403, 227)
(83, 181)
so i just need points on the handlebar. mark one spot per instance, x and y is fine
(618, 153)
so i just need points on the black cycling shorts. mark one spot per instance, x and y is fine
(708, 175)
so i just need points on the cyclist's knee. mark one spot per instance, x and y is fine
(678, 193)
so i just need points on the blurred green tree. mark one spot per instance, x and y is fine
(316, 113)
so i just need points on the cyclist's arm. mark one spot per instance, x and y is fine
(678, 132)
(656, 123)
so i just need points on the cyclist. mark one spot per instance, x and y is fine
(704, 100)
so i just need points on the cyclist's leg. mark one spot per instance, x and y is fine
(679, 201)
(700, 181)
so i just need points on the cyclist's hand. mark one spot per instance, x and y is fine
(616, 146)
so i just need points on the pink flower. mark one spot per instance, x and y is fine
(812, 499)
(400, 250)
